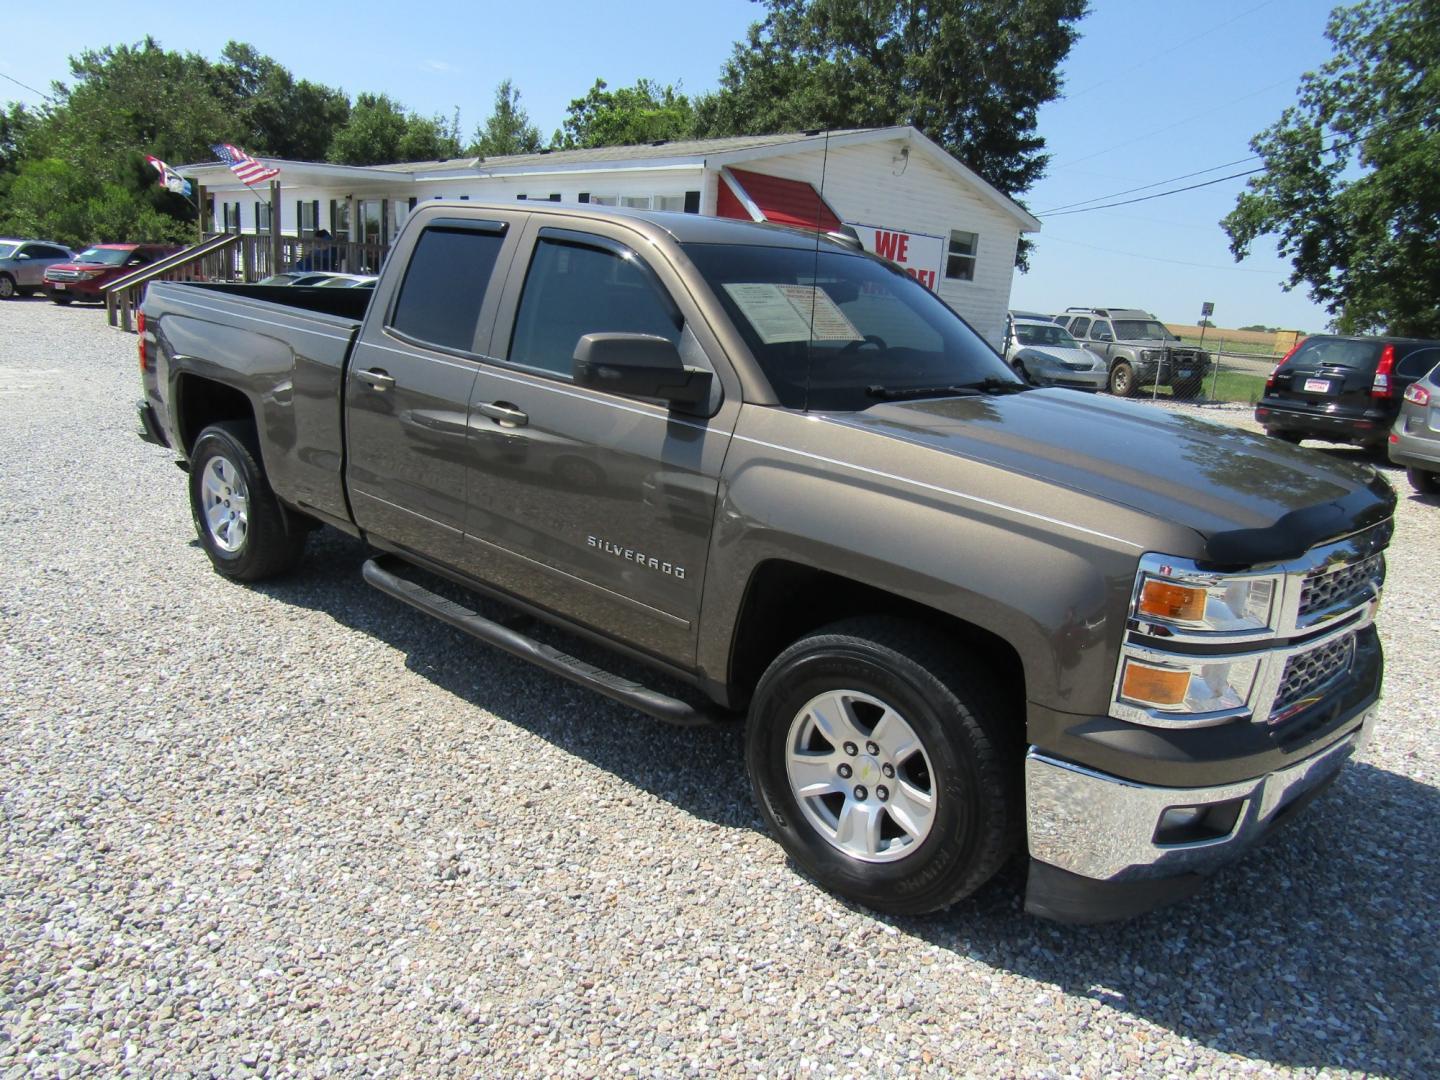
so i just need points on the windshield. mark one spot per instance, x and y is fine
(873, 327)
(7, 250)
(1142, 330)
(1048, 334)
(103, 256)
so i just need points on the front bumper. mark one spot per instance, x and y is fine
(1077, 380)
(1094, 839)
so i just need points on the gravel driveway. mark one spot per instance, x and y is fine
(300, 829)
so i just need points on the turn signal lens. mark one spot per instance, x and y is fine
(1176, 603)
(1154, 685)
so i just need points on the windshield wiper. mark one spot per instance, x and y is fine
(989, 385)
(899, 393)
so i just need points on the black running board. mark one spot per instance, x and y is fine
(384, 572)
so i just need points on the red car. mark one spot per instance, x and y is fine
(96, 266)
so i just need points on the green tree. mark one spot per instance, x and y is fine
(282, 116)
(380, 131)
(1351, 188)
(629, 115)
(72, 204)
(508, 129)
(970, 74)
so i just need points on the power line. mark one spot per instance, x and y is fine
(1175, 262)
(1159, 194)
(1157, 183)
(27, 86)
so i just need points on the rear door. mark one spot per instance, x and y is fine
(1329, 374)
(594, 505)
(408, 382)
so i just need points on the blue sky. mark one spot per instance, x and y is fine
(1154, 89)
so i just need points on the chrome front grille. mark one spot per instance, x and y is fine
(62, 275)
(1328, 590)
(1307, 674)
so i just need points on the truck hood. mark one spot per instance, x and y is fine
(1252, 499)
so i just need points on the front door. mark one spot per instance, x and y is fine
(596, 506)
(409, 381)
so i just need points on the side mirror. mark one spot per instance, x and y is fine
(641, 365)
(22, 255)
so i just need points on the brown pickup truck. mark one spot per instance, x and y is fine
(960, 617)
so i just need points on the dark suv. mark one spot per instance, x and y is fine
(1343, 389)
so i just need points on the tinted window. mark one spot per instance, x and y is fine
(1418, 362)
(43, 252)
(572, 290)
(831, 329)
(444, 286)
(1320, 352)
(1079, 327)
(1100, 330)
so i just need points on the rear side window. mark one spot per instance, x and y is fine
(1318, 352)
(572, 290)
(444, 287)
(1080, 327)
(1418, 362)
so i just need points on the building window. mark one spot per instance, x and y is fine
(669, 202)
(262, 217)
(636, 202)
(960, 260)
(305, 224)
(605, 200)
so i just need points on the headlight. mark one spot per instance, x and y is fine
(1146, 355)
(1180, 602)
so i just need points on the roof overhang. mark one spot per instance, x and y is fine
(217, 177)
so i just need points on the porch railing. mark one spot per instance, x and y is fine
(240, 257)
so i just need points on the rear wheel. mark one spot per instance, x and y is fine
(248, 535)
(1426, 483)
(1292, 437)
(878, 761)
(1122, 380)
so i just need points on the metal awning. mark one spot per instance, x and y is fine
(752, 196)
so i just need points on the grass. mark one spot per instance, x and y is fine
(1227, 386)
(1241, 348)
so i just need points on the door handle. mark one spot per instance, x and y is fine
(503, 413)
(376, 379)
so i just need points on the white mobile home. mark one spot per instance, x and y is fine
(906, 197)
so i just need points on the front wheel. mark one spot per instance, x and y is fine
(241, 524)
(879, 763)
(1426, 483)
(7, 287)
(1122, 380)
(63, 301)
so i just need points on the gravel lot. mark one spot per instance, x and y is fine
(302, 830)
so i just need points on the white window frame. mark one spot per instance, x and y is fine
(971, 255)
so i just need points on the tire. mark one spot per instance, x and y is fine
(1122, 380)
(1425, 483)
(885, 680)
(8, 291)
(1025, 375)
(248, 535)
(1292, 437)
(63, 301)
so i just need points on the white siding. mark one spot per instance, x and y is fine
(568, 185)
(864, 184)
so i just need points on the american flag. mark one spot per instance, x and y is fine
(243, 165)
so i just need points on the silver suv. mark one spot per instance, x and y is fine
(1138, 350)
(23, 263)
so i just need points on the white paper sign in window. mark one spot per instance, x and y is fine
(784, 313)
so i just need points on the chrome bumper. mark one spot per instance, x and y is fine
(1103, 828)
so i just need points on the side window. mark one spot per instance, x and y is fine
(1418, 363)
(572, 290)
(444, 286)
(48, 253)
(1079, 328)
(1101, 331)
(960, 257)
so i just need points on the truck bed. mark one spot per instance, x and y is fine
(285, 349)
